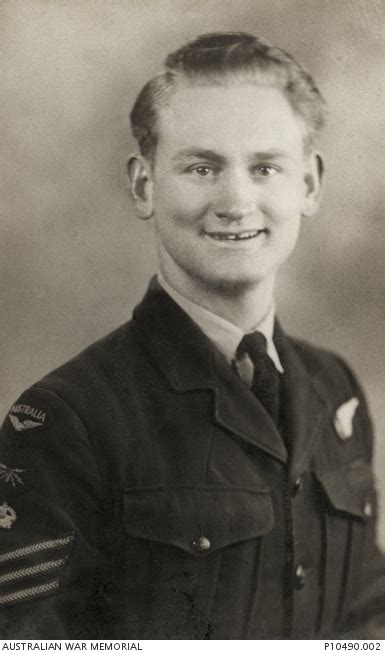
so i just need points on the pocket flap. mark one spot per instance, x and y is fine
(197, 520)
(350, 488)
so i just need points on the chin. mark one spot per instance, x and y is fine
(230, 285)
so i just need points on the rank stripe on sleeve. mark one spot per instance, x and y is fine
(32, 570)
(41, 546)
(28, 593)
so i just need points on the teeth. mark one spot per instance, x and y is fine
(235, 237)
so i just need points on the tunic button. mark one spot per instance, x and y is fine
(202, 544)
(300, 576)
(368, 510)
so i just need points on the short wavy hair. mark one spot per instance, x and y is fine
(225, 57)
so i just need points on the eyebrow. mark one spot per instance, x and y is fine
(270, 154)
(199, 153)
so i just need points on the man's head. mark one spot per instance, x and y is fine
(220, 59)
(228, 163)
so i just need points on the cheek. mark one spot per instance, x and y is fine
(285, 203)
(178, 202)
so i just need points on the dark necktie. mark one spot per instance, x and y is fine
(265, 384)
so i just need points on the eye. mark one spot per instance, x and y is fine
(265, 170)
(202, 170)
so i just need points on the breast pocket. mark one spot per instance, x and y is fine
(182, 542)
(348, 500)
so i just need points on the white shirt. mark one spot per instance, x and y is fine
(225, 335)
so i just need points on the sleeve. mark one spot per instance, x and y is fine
(367, 615)
(51, 522)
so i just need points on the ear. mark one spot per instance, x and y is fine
(313, 183)
(141, 184)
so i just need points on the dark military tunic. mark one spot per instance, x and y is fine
(146, 493)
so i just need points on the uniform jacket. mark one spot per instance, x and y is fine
(146, 493)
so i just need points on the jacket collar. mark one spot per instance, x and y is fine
(225, 335)
(189, 361)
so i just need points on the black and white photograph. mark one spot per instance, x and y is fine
(192, 320)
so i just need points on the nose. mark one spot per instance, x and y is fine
(236, 198)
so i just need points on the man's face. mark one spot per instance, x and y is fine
(230, 181)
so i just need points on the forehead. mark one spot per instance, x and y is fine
(236, 115)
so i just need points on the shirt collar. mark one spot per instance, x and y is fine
(224, 334)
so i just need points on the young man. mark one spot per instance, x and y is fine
(197, 473)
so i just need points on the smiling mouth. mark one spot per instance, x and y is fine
(233, 236)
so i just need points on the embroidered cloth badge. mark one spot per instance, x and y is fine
(24, 416)
(11, 475)
(343, 420)
(7, 516)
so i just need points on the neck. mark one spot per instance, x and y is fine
(245, 307)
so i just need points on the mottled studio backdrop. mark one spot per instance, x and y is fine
(73, 259)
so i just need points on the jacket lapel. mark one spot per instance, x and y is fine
(238, 410)
(190, 362)
(305, 407)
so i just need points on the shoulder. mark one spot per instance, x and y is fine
(325, 365)
(334, 380)
(97, 360)
(95, 366)
(86, 379)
